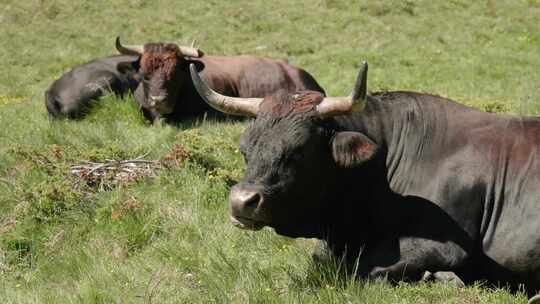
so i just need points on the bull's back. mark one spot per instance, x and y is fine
(254, 76)
(72, 94)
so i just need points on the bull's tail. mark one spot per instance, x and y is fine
(53, 105)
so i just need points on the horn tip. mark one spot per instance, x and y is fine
(117, 43)
(192, 68)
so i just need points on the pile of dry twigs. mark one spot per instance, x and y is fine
(112, 173)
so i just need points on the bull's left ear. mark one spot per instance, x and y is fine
(130, 68)
(351, 149)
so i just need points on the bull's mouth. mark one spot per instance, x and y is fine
(247, 223)
(162, 109)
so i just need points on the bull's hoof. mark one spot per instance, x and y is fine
(445, 277)
(535, 299)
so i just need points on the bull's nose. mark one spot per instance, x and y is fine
(244, 201)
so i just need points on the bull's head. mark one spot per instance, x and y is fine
(162, 70)
(293, 151)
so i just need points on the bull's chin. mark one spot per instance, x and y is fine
(163, 111)
(296, 233)
(248, 224)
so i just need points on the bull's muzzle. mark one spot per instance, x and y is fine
(245, 202)
(156, 99)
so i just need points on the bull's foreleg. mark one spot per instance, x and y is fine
(151, 115)
(407, 259)
(446, 277)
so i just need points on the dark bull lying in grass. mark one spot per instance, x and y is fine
(399, 182)
(72, 94)
(167, 90)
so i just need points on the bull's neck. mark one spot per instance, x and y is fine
(403, 124)
(401, 127)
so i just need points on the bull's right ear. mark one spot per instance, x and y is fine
(131, 68)
(351, 149)
(128, 67)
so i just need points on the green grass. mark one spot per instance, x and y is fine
(167, 239)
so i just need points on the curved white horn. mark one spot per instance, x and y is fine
(129, 49)
(190, 51)
(222, 103)
(333, 106)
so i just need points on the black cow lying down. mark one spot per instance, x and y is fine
(72, 94)
(404, 182)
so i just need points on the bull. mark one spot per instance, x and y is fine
(399, 183)
(74, 92)
(166, 89)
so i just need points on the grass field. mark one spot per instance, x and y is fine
(166, 238)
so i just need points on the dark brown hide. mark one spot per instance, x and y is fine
(167, 90)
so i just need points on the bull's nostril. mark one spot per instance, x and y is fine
(252, 201)
(244, 201)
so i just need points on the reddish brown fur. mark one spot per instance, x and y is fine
(160, 55)
(283, 103)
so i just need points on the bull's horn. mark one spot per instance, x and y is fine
(129, 49)
(190, 51)
(333, 106)
(222, 103)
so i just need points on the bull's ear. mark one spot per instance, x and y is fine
(351, 149)
(128, 67)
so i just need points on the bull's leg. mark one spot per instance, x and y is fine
(408, 258)
(447, 277)
(151, 115)
(326, 252)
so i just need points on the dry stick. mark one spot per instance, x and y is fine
(122, 170)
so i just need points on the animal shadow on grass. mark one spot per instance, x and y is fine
(417, 218)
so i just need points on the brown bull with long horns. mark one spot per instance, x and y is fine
(166, 89)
